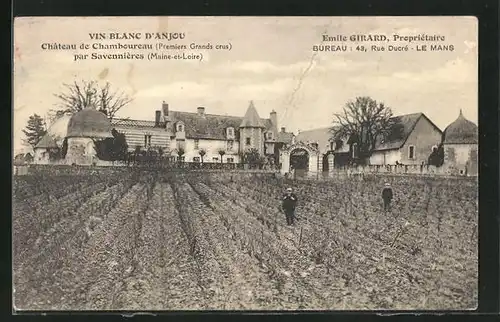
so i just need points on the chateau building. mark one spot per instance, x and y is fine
(184, 135)
(219, 138)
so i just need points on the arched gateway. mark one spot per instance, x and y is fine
(304, 159)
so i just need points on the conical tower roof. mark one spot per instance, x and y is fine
(252, 118)
(461, 131)
(47, 142)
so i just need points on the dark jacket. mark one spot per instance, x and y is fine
(289, 201)
(387, 193)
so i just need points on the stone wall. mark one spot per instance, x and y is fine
(80, 151)
(401, 169)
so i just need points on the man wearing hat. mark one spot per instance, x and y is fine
(387, 196)
(289, 203)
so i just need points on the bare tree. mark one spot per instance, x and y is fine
(110, 102)
(78, 96)
(363, 121)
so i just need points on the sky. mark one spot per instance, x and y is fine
(271, 62)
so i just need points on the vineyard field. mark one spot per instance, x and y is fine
(145, 240)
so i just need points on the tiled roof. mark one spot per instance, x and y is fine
(267, 123)
(320, 136)
(209, 126)
(251, 118)
(47, 142)
(285, 137)
(133, 123)
(403, 126)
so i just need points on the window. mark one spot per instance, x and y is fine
(215, 159)
(230, 145)
(411, 152)
(354, 150)
(180, 128)
(196, 144)
(230, 160)
(247, 141)
(147, 140)
(434, 148)
(196, 159)
(269, 135)
(230, 131)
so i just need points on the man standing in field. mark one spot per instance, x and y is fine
(289, 203)
(387, 196)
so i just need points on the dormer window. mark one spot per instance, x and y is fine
(230, 132)
(269, 135)
(180, 127)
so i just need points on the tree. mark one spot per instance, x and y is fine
(252, 157)
(436, 158)
(221, 152)
(365, 122)
(180, 153)
(161, 152)
(112, 149)
(64, 148)
(80, 95)
(202, 153)
(35, 130)
(119, 146)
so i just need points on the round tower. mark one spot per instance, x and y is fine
(460, 143)
(84, 127)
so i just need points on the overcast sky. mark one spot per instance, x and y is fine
(271, 63)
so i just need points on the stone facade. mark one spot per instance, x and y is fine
(315, 164)
(81, 151)
(461, 159)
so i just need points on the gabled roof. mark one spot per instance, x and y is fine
(403, 126)
(208, 126)
(251, 118)
(46, 142)
(268, 124)
(19, 156)
(321, 136)
(285, 137)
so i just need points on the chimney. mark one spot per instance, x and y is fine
(201, 111)
(282, 130)
(274, 118)
(164, 108)
(157, 118)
